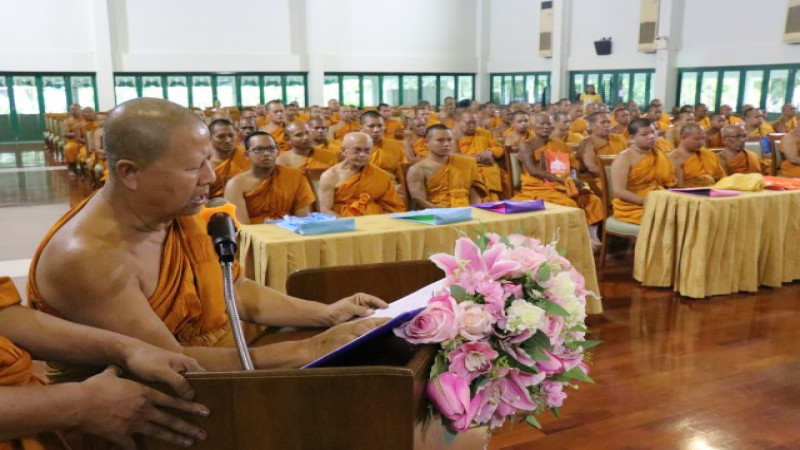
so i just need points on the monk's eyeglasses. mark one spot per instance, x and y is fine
(261, 150)
(364, 151)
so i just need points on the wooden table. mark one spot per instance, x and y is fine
(269, 254)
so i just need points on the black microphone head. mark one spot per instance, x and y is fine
(222, 230)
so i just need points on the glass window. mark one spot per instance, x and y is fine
(752, 87)
(226, 90)
(519, 88)
(795, 95)
(178, 90)
(543, 88)
(623, 89)
(447, 87)
(688, 92)
(410, 90)
(5, 103)
(249, 91)
(497, 88)
(26, 99)
(272, 88)
(606, 88)
(202, 95)
(776, 91)
(708, 91)
(593, 78)
(508, 89)
(296, 89)
(530, 89)
(429, 88)
(651, 94)
(55, 94)
(465, 83)
(372, 90)
(351, 91)
(331, 89)
(82, 91)
(577, 86)
(730, 89)
(639, 90)
(151, 87)
(391, 90)
(124, 88)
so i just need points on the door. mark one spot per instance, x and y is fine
(26, 105)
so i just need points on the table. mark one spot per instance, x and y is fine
(269, 254)
(703, 246)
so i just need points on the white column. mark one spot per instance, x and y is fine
(103, 54)
(315, 58)
(482, 36)
(562, 18)
(666, 76)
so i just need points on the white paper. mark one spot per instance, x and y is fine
(410, 302)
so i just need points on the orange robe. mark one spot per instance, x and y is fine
(664, 122)
(744, 162)
(705, 123)
(420, 147)
(71, 146)
(579, 126)
(664, 145)
(615, 144)
(284, 192)
(226, 170)
(763, 130)
(331, 146)
(492, 176)
(188, 298)
(83, 153)
(494, 122)
(279, 134)
(450, 186)
(319, 159)
(334, 119)
(788, 168)
(533, 188)
(388, 155)
(702, 169)
(732, 120)
(262, 120)
(303, 117)
(370, 191)
(349, 127)
(651, 173)
(392, 127)
(715, 141)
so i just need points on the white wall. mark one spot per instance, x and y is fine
(514, 37)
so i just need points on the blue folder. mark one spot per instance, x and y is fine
(315, 223)
(436, 216)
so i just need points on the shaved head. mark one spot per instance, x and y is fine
(291, 127)
(141, 130)
(355, 139)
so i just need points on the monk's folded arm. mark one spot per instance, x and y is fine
(29, 410)
(620, 169)
(416, 187)
(234, 195)
(266, 306)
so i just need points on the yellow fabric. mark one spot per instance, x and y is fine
(492, 176)
(614, 146)
(284, 192)
(574, 138)
(302, 117)
(71, 151)
(744, 162)
(664, 145)
(333, 146)
(742, 182)
(702, 169)
(579, 126)
(789, 169)
(370, 191)
(590, 98)
(705, 123)
(388, 156)
(393, 127)
(732, 120)
(494, 122)
(226, 170)
(450, 186)
(272, 253)
(664, 122)
(353, 125)
(319, 159)
(188, 297)
(704, 247)
(279, 133)
(420, 147)
(653, 172)
(715, 141)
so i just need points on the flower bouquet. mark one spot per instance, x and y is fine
(510, 326)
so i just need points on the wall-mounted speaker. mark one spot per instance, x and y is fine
(603, 46)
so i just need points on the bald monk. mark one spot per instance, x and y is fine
(727, 111)
(701, 116)
(637, 171)
(505, 124)
(292, 113)
(261, 115)
(735, 159)
(89, 123)
(276, 124)
(520, 130)
(580, 123)
(138, 246)
(694, 165)
(415, 146)
(790, 147)
(356, 187)
(622, 117)
(333, 108)
(754, 124)
(387, 153)
(788, 119)
(634, 109)
(484, 148)
(346, 124)
(433, 117)
(392, 127)
(601, 141)
(488, 117)
(247, 126)
(444, 179)
(423, 112)
(714, 131)
(548, 166)
(71, 129)
(561, 126)
(227, 160)
(447, 114)
(267, 190)
(662, 118)
(302, 154)
(672, 135)
(319, 136)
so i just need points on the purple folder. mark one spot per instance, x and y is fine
(707, 192)
(511, 206)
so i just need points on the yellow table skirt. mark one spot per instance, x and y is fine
(704, 246)
(269, 254)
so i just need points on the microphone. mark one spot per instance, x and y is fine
(222, 225)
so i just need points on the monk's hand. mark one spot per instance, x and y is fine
(151, 363)
(358, 305)
(335, 337)
(116, 409)
(486, 157)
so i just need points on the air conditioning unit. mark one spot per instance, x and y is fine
(546, 30)
(792, 32)
(648, 25)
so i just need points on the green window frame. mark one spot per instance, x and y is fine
(614, 86)
(397, 89)
(528, 87)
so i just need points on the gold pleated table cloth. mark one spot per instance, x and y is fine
(269, 254)
(715, 246)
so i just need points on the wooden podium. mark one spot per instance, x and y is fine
(376, 400)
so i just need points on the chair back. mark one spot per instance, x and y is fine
(313, 176)
(403, 181)
(755, 147)
(513, 169)
(90, 141)
(777, 156)
(605, 181)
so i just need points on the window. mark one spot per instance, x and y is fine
(465, 87)
(391, 90)
(708, 89)
(331, 90)
(447, 87)
(752, 87)
(26, 97)
(82, 90)
(730, 90)
(54, 91)
(397, 89)
(295, 89)
(125, 88)
(249, 90)
(429, 89)
(202, 92)
(351, 90)
(226, 90)
(776, 90)
(5, 102)
(178, 90)
(615, 86)
(520, 87)
(372, 90)
(272, 88)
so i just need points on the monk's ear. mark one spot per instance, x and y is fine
(128, 173)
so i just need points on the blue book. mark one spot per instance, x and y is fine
(315, 223)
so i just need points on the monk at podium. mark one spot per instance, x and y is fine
(135, 258)
(694, 165)
(227, 160)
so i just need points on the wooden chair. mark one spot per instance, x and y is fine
(402, 178)
(513, 169)
(612, 226)
(777, 156)
(507, 164)
(313, 176)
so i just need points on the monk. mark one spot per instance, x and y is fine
(30, 407)
(602, 141)
(423, 112)
(89, 123)
(302, 155)
(345, 125)
(550, 174)
(415, 146)
(261, 114)
(333, 108)
(633, 108)
(319, 136)
(694, 165)
(637, 171)
(276, 125)
(701, 116)
(267, 190)
(356, 187)
(520, 131)
(564, 105)
(291, 113)
(561, 126)
(663, 119)
(247, 126)
(714, 131)
(135, 258)
(505, 124)
(226, 159)
(444, 179)
(727, 111)
(433, 117)
(788, 119)
(754, 124)
(387, 153)
(790, 147)
(484, 148)
(71, 129)
(393, 127)
(447, 113)
(672, 135)
(622, 117)
(735, 159)
(580, 123)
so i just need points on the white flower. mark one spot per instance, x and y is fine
(522, 316)
(563, 288)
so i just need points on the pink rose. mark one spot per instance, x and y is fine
(449, 393)
(476, 322)
(529, 260)
(551, 366)
(552, 326)
(554, 393)
(472, 359)
(492, 291)
(438, 322)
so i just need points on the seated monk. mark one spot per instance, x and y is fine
(520, 130)
(247, 126)
(267, 190)
(276, 124)
(790, 147)
(319, 136)
(672, 135)
(444, 179)
(561, 125)
(788, 119)
(550, 174)
(754, 124)
(346, 124)
(32, 408)
(226, 159)
(701, 116)
(505, 124)
(292, 113)
(355, 186)
(694, 165)
(484, 148)
(663, 121)
(714, 131)
(333, 109)
(387, 153)
(622, 117)
(735, 159)
(601, 141)
(302, 155)
(730, 119)
(71, 128)
(89, 123)
(447, 113)
(137, 245)
(429, 115)
(579, 123)
(637, 171)
(393, 127)
(415, 147)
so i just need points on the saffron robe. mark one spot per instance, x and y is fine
(319, 159)
(392, 127)
(492, 176)
(651, 173)
(702, 169)
(236, 164)
(370, 191)
(744, 162)
(389, 156)
(449, 187)
(284, 192)
(351, 126)
(615, 144)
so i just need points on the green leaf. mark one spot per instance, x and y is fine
(561, 252)
(531, 419)
(504, 240)
(539, 355)
(556, 413)
(554, 309)
(516, 364)
(544, 273)
(539, 340)
(476, 384)
(440, 365)
(573, 374)
(458, 292)
(585, 344)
